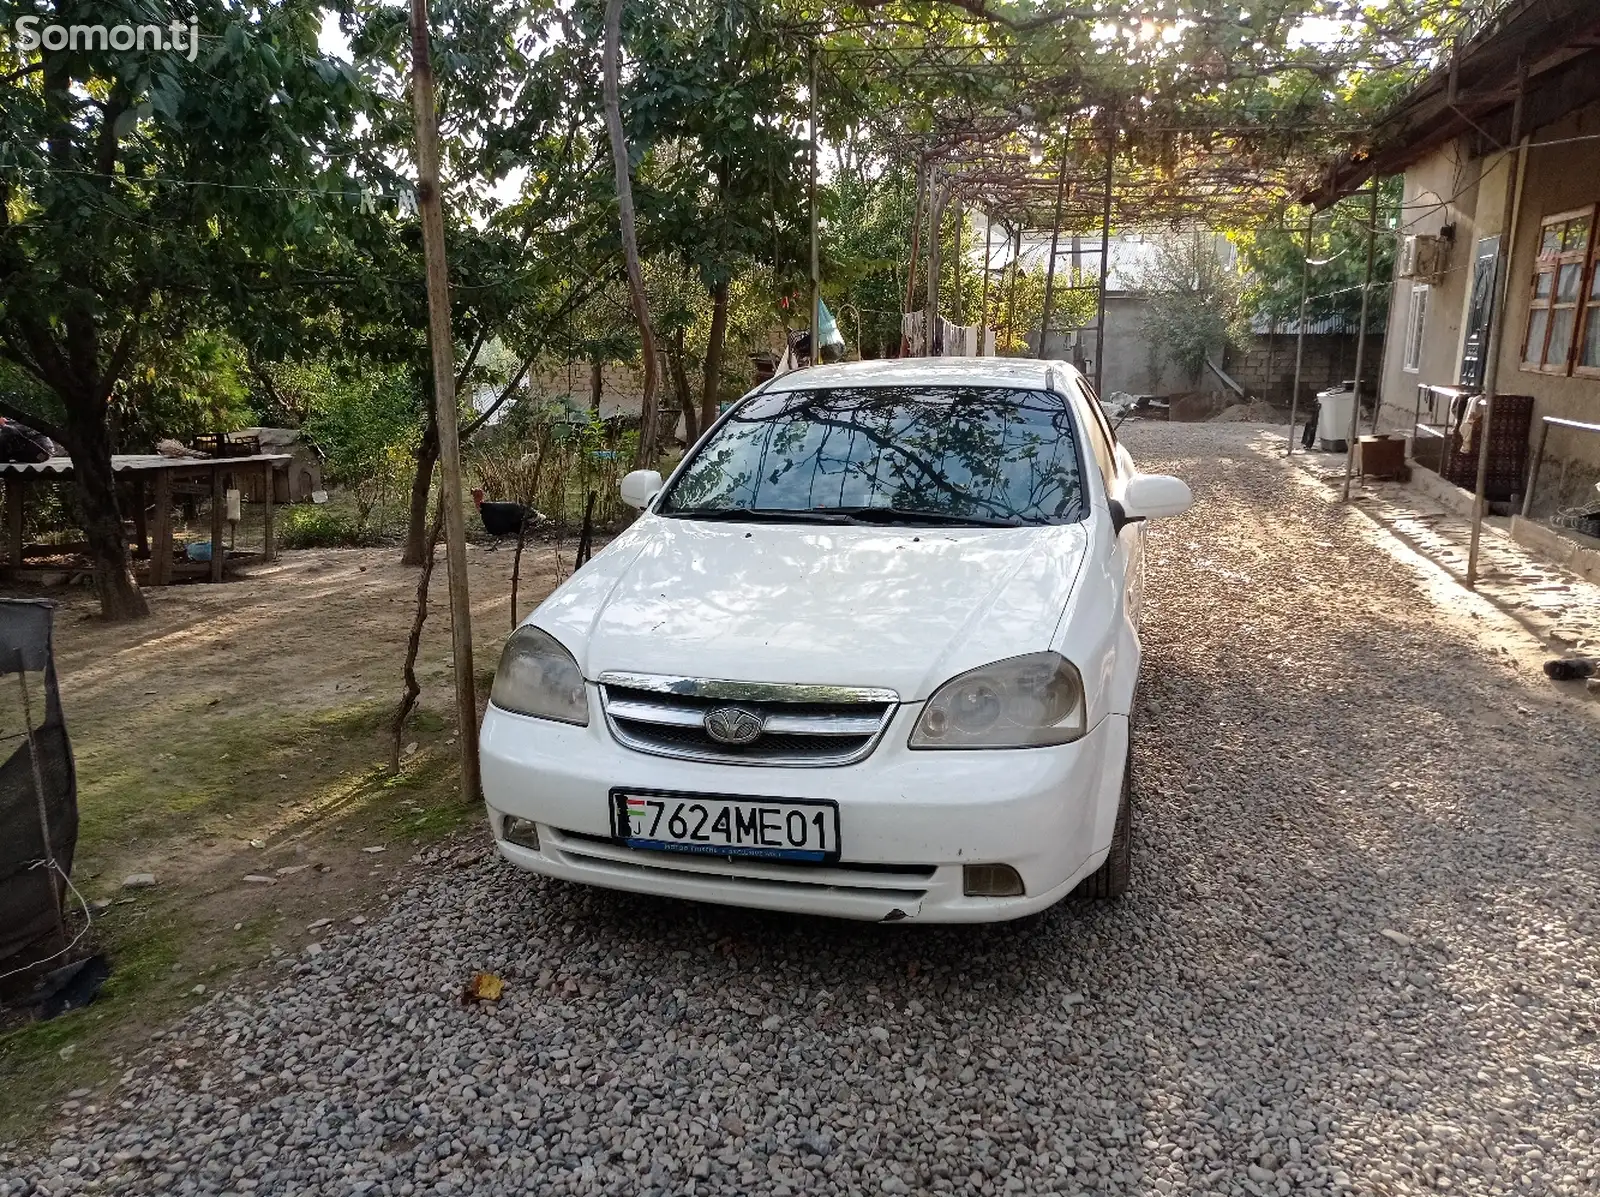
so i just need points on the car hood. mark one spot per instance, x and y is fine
(901, 607)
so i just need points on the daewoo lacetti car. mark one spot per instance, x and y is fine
(870, 651)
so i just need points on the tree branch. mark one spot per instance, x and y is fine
(21, 71)
(472, 355)
(126, 340)
(576, 296)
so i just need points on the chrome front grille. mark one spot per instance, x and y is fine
(793, 725)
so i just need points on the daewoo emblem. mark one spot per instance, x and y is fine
(732, 725)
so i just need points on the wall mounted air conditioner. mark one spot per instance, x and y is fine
(1422, 257)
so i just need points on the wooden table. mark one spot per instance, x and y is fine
(137, 470)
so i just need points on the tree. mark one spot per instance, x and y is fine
(526, 200)
(712, 111)
(1272, 254)
(144, 194)
(611, 71)
(1193, 310)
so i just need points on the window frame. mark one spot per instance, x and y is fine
(1552, 264)
(1098, 431)
(1588, 306)
(1416, 327)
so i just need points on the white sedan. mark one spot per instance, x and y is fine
(869, 652)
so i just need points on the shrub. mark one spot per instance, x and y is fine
(307, 526)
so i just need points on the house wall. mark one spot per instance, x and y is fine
(1131, 364)
(1440, 190)
(620, 386)
(1555, 180)
(1448, 187)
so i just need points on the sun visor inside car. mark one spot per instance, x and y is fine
(38, 786)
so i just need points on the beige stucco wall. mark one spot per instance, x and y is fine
(1556, 179)
(1448, 187)
(1440, 190)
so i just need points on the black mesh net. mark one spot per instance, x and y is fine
(38, 788)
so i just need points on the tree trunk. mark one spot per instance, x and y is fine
(714, 344)
(681, 388)
(416, 550)
(90, 447)
(611, 70)
(597, 382)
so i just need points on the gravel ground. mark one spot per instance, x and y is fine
(1359, 956)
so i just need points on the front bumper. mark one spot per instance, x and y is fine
(908, 821)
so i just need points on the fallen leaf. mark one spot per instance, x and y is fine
(484, 987)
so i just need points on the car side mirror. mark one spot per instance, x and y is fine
(1150, 497)
(639, 487)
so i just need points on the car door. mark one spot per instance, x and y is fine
(1116, 467)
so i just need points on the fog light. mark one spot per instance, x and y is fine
(524, 833)
(991, 881)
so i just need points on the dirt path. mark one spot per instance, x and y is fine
(241, 731)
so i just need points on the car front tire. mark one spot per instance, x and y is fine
(1110, 880)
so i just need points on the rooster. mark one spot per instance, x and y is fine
(503, 519)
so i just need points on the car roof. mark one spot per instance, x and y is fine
(1021, 372)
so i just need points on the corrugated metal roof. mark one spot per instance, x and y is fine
(123, 463)
(1327, 326)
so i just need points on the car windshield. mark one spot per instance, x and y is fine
(934, 454)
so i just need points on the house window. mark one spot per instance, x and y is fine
(1416, 320)
(1587, 359)
(1562, 290)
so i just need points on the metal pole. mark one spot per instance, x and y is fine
(1016, 262)
(1105, 267)
(935, 218)
(811, 200)
(1300, 337)
(1497, 314)
(960, 300)
(1361, 341)
(442, 346)
(988, 258)
(1055, 239)
(1533, 469)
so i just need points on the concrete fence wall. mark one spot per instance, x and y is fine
(1266, 368)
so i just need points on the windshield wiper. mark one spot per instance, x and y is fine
(907, 515)
(766, 515)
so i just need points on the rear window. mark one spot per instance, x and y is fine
(992, 454)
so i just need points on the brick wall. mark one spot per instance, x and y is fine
(1266, 367)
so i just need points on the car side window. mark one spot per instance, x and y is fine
(1098, 432)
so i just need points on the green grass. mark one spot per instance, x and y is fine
(211, 778)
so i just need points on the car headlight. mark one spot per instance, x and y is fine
(1021, 702)
(538, 677)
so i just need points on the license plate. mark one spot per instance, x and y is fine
(723, 825)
